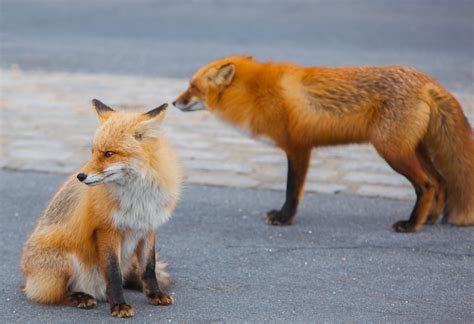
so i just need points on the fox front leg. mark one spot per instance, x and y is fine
(118, 306)
(298, 163)
(109, 247)
(151, 287)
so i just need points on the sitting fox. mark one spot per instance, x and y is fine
(414, 123)
(101, 224)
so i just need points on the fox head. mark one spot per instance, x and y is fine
(208, 84)
(122, 142)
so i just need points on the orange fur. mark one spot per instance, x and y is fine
(405, 114)
(80, 224)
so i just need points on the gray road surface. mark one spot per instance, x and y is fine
(173, 38)
(339, 263)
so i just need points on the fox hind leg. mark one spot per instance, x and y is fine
(409, 166)
(429, 168)
(47, 274)
(48, 286)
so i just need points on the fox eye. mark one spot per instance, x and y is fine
(108, 154)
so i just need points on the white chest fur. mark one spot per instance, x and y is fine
(129, 244)
(141, 204)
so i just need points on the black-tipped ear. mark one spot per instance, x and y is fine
(151, 125)
(100, 107)
(225, 74)
(155, 112)
(103, 111)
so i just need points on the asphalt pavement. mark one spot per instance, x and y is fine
(339, 263)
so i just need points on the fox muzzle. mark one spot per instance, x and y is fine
(193, 105)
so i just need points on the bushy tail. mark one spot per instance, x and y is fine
(162, 275)
(450, 141)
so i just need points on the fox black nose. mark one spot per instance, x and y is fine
(174, 103)
(81, 176)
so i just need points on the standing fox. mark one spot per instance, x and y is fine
(90, 236)
(415, 124)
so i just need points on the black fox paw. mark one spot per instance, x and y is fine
(278, 218)
(405, 227)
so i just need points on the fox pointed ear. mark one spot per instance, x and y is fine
(224, 74)
(151, 126)
(158, 111)
(103, 111)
